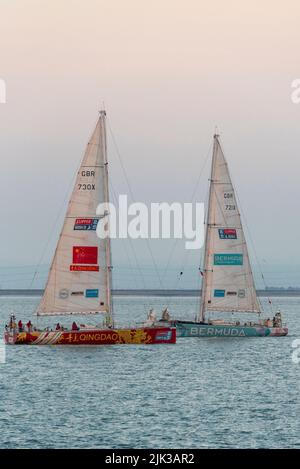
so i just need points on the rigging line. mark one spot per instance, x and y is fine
(56, 220)
(72, 181)
(133, 199)
(202, 252)
(201, 172)
(254, 250)
(124, 244)
(54, 225)
(133, 250)
(131, 268)
(190, 200)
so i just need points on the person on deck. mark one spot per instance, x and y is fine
(58, 328)
(165, 316)
(75, 327)
(20, 326)
(29, 326)
(278, 319)
(12, 322)
(151, 317)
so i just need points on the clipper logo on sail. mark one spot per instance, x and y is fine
(228, 259)
(86, 224)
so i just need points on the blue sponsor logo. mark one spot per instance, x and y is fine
(228, 259)
(92, 293)
(219, 293)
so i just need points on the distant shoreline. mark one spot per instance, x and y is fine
(162, 293)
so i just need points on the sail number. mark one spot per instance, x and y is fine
(86, 187)
(228, 196)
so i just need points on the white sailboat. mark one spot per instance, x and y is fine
(228, 286)
(79, 281)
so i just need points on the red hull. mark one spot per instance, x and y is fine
(146, 335)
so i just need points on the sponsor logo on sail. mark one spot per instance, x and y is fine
(85, 254)
(63, 294)
(242, 293)
(228, 259)
(227, 233)
(77, 293)
(231, 293)
(219, 293)
(84, 268)
(92, 293)
(86, 224)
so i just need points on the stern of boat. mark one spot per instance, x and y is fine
(279, 331)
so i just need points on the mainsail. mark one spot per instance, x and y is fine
(227, 277)
(79, 280)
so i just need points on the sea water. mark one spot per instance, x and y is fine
(198, 393)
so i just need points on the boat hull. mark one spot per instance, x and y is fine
(146, 335)
(192, 329)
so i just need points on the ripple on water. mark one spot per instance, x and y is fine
(195, 394)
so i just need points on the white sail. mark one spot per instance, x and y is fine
(227, 277)
(79, 278)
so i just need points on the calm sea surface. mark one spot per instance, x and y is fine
(199, 393)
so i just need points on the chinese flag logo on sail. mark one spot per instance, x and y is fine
(85, 254)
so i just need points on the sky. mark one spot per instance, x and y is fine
(168, 72)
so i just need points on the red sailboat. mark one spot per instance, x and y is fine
(79, 280)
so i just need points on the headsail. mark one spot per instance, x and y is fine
(79, 280)
(227, 277)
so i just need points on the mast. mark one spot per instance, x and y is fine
(109, 316)
(201, 316)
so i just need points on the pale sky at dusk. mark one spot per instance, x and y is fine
(169, 72)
